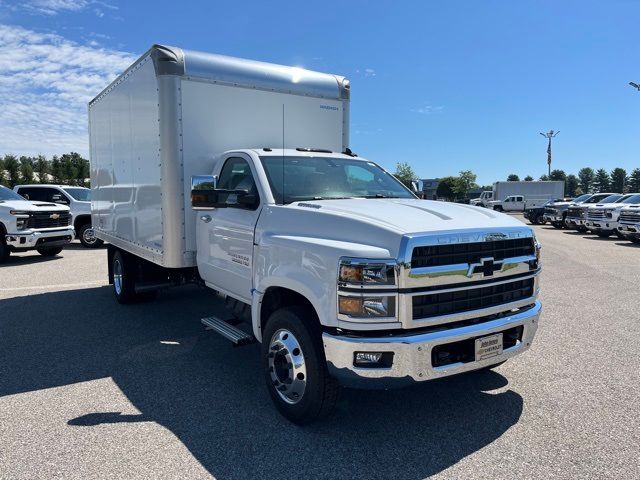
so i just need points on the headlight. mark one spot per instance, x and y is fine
(21, 223)
(367, 306)
(361, 272)
(18, 212)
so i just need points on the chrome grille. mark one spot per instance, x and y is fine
(631, 216)
(452, 254)
(596, 214)
(550, 211)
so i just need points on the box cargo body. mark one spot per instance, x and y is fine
(535, 193)
(171, 114)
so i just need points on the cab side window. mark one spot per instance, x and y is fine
(236, 175)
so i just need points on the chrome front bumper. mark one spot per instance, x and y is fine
(412, 353)
(552, 218)
(629, 228)
(574, 222)
(604, 224)
(40, 238)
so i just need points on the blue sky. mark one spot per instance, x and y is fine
(445, 86)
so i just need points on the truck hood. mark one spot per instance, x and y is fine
(412, 215)
(32, 206)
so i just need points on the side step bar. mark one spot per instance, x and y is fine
(234, 334)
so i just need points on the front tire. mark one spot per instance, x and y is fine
(49, 251)
(4, 249)
(604, 233)
(87, 237)
(557, 225)
(295, 367)
(634, 239)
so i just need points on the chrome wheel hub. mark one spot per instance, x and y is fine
(89, 235)
(286, 366)
(117, 276)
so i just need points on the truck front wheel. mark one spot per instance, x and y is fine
(295, 366)
(4, 249)
(87, 236)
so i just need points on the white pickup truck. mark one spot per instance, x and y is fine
(25, 225)
(78, 199)
(602, 218)
(343, 275)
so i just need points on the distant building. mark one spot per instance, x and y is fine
(428, 187)
(474, 193)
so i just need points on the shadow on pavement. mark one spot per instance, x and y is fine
(212, 397)
(22, 258)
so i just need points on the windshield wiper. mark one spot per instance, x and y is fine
(380, 195)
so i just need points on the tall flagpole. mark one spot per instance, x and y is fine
(550, 134)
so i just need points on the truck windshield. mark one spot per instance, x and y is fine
(6, 194)
(582, 198)
(294, 179)
(610, 199)
(79, 194)
(632, 199)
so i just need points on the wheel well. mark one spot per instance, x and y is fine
(278, 297)
(3, 230)
(81, 220)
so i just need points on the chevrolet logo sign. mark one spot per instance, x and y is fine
(488, 267)
(54, 216)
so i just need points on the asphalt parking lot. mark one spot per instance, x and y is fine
(92, 389)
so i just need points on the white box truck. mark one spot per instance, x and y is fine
(516, 196)
(237, 175)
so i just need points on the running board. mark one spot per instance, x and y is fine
(234, 334)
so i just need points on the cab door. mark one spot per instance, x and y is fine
(225, 235)
(518, 204)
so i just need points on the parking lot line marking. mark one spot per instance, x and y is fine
(52, 287)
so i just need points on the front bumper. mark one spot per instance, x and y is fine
(40, 238)
(574, 222)
(601, 224)
(412, 354)
(632, 229)
(552, 218)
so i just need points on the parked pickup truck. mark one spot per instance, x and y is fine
(556, 212)
(343, 275)
(25, 225)
(602, 218)
(537, 215)
(576, 213)
(78, 199)
(629, 222)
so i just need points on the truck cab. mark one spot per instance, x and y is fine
(78, 199)
(24, 225)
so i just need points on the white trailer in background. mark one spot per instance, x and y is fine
(516, 196)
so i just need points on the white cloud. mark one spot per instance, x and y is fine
(45, 84)
(366, 72)
(54, 7)
(428, 109)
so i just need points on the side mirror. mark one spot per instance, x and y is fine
(203, 192)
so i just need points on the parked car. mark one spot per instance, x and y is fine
(602, 218)
(342, 274)
(575, 218)
(25, 225)
(629, 222)
(78, 199)
(536, 215)
(556, 212)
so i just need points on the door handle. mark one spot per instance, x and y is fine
(205, 218)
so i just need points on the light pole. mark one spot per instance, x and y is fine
(550, 134)
(635, 85)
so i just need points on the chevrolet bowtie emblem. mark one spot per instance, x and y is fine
(54, 216)
(487, 265)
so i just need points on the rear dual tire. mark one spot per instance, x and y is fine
(295, 367)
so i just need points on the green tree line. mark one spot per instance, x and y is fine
(589, 180)
(67, 169)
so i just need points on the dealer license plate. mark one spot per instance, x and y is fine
(487, 347)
